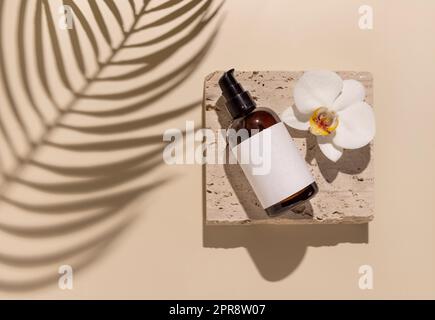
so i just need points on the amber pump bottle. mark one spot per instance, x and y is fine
(289, 182)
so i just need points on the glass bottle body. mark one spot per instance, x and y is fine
(254, 122)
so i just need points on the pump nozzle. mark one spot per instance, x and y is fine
(238, 101)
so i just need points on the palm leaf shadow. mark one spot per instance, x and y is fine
(96, 193)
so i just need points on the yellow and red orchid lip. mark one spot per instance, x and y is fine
(323, 122)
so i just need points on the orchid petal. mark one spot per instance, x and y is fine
(357, 126)
(294, 119)
(315, 89)
(329, 149)
(353, 92)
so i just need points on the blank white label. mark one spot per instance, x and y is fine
(281, 172)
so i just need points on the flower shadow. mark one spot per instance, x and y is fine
(351, 162)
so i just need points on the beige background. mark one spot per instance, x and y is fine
(165, 253)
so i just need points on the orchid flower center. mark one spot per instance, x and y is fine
(323, 121)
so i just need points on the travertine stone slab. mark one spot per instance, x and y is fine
(346, 188)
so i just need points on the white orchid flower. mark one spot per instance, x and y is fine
(332, 109)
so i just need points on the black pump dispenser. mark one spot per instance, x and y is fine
(238, 101)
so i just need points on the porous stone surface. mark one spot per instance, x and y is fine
(346, 188)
